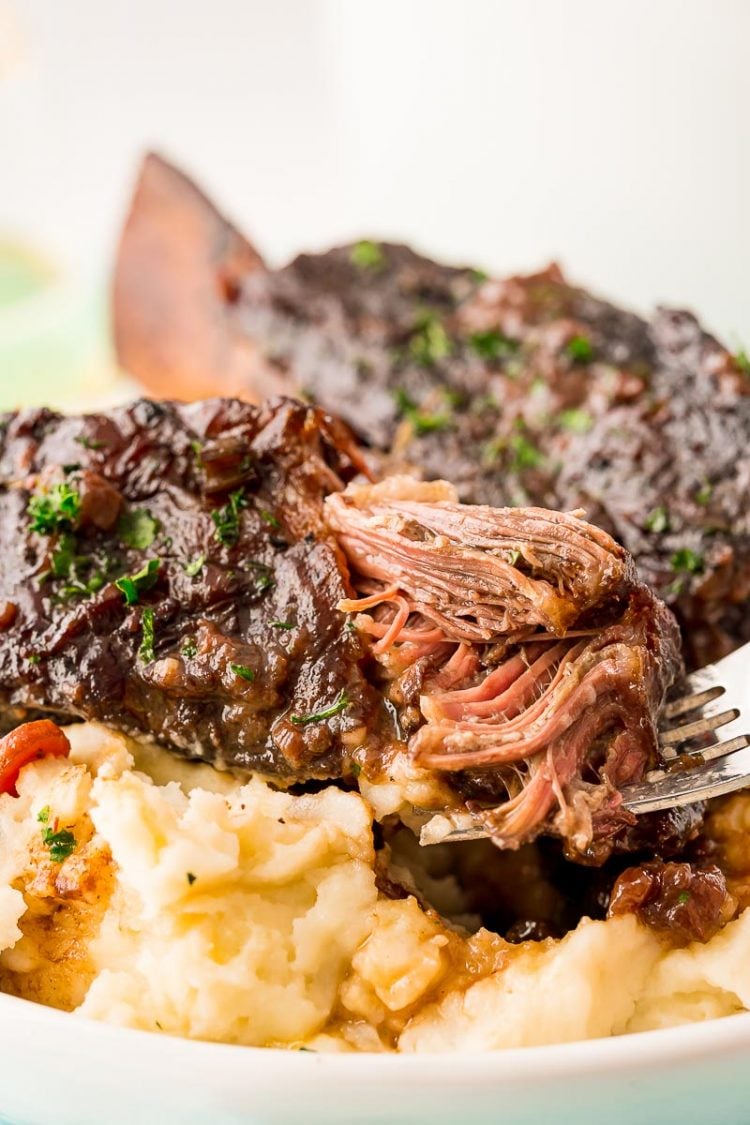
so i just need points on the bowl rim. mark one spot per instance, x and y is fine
(651, 1050)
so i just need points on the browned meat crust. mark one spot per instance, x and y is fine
(522, 391)
(230, 639)
(184, 572)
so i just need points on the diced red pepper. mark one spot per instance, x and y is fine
(39, 739)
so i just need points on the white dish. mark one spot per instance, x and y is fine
(66, 1070)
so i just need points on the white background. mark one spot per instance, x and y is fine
(613, 136)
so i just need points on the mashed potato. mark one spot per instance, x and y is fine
(179, 900)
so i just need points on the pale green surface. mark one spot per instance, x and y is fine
(22, 273)
(54, 347)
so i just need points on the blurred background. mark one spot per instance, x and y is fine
(612, 137)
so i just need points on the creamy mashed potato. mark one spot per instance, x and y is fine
(179, 900)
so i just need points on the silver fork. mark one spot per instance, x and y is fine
(697, 762)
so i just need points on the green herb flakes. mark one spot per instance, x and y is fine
(580, 349)
(429, 342)
(423, 421)
(683, 897)
(686, 561)
(478, 276)
(492, 345)
(61, 843)
(243, 672)
(657, 520)
(319, 716)
(148, 634)
(82, 588)
(525, 454)
(189, 648)
(282, 625)
(268, 518)
(704, 494)
(577, 421)
(132, 586)
(195, 566)
(64, 555)
(227, 519)
(90, 443)
(512, 556)
(367, 255)
(55, 510)
(137, 529)
(742, 359)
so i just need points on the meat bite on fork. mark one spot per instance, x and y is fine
(215, 577)
(521, 648)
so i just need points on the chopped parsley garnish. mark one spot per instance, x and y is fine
(190, 877)
(137, 529)
(264, 581)
(356, 769)
(513, 556)
(742, 359)
(327, 713)
(269, 518)
(90, 443)
(367, 255)
(64, 555)
(243, 672)
(686, 561)
(683, 897)
(577, 421)
(704, 494)
(148, 633)
(227, 519)
(525, 453)
(282, 624)
(492, 345)
(78, 588)
(580, 349)
(189, 648)
(80, 579)
(429, 342)
(423, 421)
(43, 815)
(55, 510)
(657, 520)
(195, 566)
(132, 586)
(61, 844)
(478, 275)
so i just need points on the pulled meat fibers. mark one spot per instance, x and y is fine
(540, 662)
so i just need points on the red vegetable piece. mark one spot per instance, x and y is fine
(39, 739)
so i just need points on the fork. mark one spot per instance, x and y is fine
(696, 764)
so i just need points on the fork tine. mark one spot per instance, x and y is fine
(669, 790)
(692, 702)
(675, 735)
(721, 749)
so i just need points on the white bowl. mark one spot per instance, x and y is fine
(65, 1070)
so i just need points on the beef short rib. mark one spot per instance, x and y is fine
(527, 390)
(222, 577)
